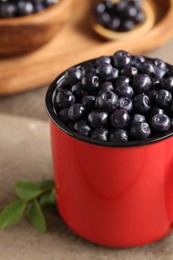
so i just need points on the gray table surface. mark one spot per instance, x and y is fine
(31, 103)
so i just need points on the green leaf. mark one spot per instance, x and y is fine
(46, 184)
(48, 200)
(12, 213)
(28, 190)
(36, 216)
(30, 194)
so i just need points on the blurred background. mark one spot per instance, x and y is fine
(35, 48)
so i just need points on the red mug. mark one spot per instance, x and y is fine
(113, 194)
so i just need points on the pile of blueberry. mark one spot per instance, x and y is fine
(14, 8)
(117, 98)
(122, 16)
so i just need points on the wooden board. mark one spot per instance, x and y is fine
(75, 43)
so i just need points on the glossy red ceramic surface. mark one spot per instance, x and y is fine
(119, 197)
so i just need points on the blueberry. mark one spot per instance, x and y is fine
(7, 9)
(140, 17)
(98, 118)
(88, 102)
(126, 25)
(122, 59)
(25, 7)
(64, 99)
(141, 83)
(120, 118)
(115, 73)
(105, 71)
(121, 81)
(107, 101)
(151, 94)
(169, 73)
(137, 4)
(167, 83)
(142, 103)
(77, 90)
(115, 23)
(121, 6)
(129, 71)
(163, 98)
(76, 112)
(82, 127)
(109, 4)
(126, 103)
(155, 83)
(137, 60)
(159, 73)
(154, 110)
(100, 134)
(39, 7)
(99, 8)
(138, 119)
(160, 64)
(130, 12)
(124, 91)
(140, 131)
(160, 123)
(63, 113)
(88, 67)
(148, 68)
(50, 2)
(90, 82)
(103, 59)
(118, 135)
(106, 86)
(104, 19)
(73, 75)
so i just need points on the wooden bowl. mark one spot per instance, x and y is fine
(24, 34)
(137, 31)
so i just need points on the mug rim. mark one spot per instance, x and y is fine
(54, 118)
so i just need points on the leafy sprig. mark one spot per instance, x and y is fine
(32, 199)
